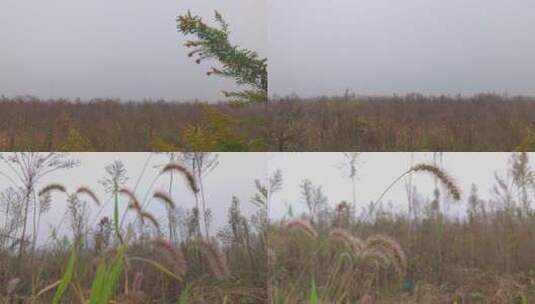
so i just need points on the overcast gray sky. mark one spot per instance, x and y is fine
(234, 176)
(391, 46)
(130, 48)
(375, 173)
(121, 48)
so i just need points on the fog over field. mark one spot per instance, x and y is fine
(234, 176)
(387, 46)
(131, 49)
(127, 49)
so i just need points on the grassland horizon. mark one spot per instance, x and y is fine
(410, 122)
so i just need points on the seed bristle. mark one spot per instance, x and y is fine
(133, 199)
(90, 193)
(185, 172)
(216, 260)
(444, 178)
(52, 187)
(164, 198)
(178, 260)
(392, 248)
(150, 217)
(345, 236)
(303, 226)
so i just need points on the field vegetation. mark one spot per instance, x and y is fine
(131, 254)
(328, 253)
(400, 123)
(377, 254)
(249, 120)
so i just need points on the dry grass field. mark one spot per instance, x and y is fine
(131, 254)
(425, 256)
(402, 123)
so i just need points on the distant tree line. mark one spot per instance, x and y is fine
(395, 123)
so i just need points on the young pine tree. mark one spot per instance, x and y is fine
(242, 65)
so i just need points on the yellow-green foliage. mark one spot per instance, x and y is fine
(217, 132)
(76, 142)
(528, 143)
(160, 145)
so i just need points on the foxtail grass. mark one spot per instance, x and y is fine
(303, 226)
(90, 193)
(177, 257)
(217, 261)
(174, 167)
(52, 187)
(160, 195)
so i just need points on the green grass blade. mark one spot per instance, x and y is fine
(98, 282)
(184, 295)
(158, 266)
(47, 288)
(116, 217)
(67, 277)
(112, 277)
(313, 293)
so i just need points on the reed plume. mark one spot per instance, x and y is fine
(341, 235)
(345, 236)
(164, 198)
(134, 203)
(303, 226)
(216, 260)
(444, 178)
(377, 256)
(185, 172)
(178, 260)
(392, 248)
(90, 193)
(146, 215)
(52, 187)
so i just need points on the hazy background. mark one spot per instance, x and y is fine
(236, 173)
(234, 176)
(375, 173)
(389, 46)
(127, 49)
